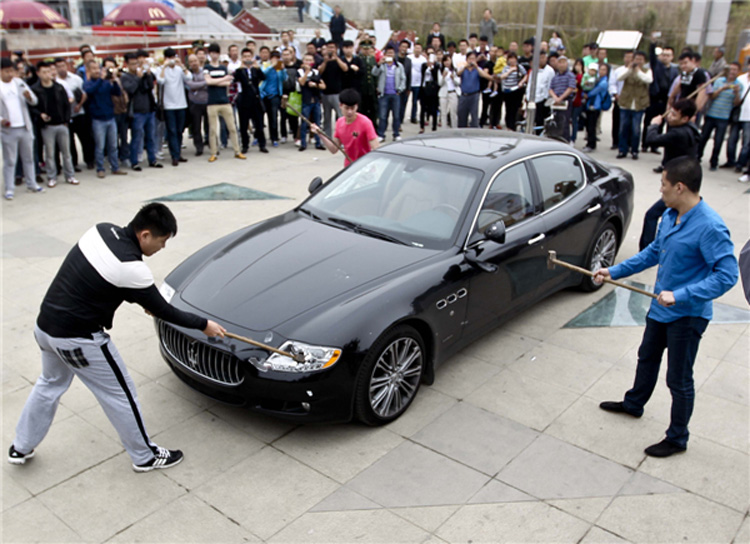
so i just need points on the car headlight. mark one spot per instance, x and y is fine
(316, 358)
(167, 291)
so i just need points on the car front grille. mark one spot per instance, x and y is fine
(211, 363)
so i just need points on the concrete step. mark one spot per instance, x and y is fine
(278, 19)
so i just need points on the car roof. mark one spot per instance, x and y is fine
(482, 149)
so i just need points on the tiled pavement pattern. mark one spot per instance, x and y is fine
(508, 445)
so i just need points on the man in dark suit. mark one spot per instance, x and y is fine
(249, 105)
(337, 26)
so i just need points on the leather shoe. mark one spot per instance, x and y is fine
(175, 162)
(617, 407)
(665, 448)
(621, 155)
(181, 159)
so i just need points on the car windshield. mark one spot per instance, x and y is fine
(402, 199)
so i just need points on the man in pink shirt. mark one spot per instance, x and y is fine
(353, 130)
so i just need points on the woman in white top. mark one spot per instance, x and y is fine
(450, 89)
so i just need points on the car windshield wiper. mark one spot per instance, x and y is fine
(359, 229)
(311, 214)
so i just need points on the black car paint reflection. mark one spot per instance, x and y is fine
(399, 261)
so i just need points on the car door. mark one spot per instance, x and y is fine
(496, 295)
(571, 211)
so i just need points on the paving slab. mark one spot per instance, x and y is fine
(32, 521)
(651, 519)
(585, 509)
(597, 535)
(512, 522)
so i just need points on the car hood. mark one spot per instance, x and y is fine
(289, 265)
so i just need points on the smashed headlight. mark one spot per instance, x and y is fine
(316, 358)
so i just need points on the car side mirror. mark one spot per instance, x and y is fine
(496, 232)
(315, 184)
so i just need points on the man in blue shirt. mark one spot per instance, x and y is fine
(468, 102)
(696, 265)
(728, 92)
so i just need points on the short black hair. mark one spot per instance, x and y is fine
(473, 35)
(329, 42)
(463, 40)
(84, 47)
(156, 218)
(43, 64)
(685, 170)
(737, 64)
(198, 50)
(262, 47)
(129, 57)
(245, 50)
(349, 97)
(638, 52)
(250, 41)
(529, 41)
(347, 43)
(141, 53)
(214, 48)
(110, 59)
(453, 44)
(389, 48)
(402, 42)
(471, 52)
(483, 39)
(59, 59)
(275, 54)
(6, 63)
(686, 107)
(511, 55)
(686, 55)
(233, 45)
(169, 53)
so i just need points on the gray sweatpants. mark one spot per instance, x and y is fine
(98, 364)
(330, 105)
(57, 134)
(18, 141)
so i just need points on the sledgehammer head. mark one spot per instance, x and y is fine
(551, 258)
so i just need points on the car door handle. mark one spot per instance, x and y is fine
(594, 208)
(536, 239)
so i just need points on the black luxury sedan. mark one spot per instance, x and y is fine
(386, 270)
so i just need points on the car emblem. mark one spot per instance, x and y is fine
(192, 355)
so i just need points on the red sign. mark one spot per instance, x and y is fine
(248, 24)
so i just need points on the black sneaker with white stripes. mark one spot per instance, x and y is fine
(15, 457)
(164, 458)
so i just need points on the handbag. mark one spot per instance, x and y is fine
(734, 117)
(295, 101)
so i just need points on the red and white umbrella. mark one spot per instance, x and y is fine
(143, 13)
(23, 14)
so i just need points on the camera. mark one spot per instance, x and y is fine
(110, 73)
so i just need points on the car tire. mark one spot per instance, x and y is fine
(601, 255)
(390, 376)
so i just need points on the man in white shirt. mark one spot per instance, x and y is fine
(417, 61)
(459, 57)
(743, 125)
(172, 78)
(544, 76)
(80, 123)
(16, 128)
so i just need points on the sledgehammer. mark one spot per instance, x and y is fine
(552, 261)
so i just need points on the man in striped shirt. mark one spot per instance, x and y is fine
(103, 270)
(727, 94)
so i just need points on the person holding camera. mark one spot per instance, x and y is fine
(391, 83)
(53, 108)
(332, 70)
(172, 78)
(139, 83)
(727, 93)
(468, 102)
(100, 91)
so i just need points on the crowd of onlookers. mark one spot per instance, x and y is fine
(125, 109)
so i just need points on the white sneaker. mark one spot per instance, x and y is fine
(283, 140)
(51, 182)
(298, 142)
(36, 189)
(72, 181)
(381, 139)
(744, 178)
(397, 138)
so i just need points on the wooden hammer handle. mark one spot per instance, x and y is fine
(260, 345)
(606, 280)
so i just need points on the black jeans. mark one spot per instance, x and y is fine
(592, 119)
(512, 101)
(616, 125)
(80, 126)
(198, 119)
(248, 111)
(709, 125)
(651, 223)
(271, 104)
(293, 122)
(681, 339)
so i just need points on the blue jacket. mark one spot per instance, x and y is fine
(696, 262)
(265, 87)
(99, 98)
(598, 97)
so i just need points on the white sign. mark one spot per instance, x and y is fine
(382, 32)
(716, 30)
(619, 39)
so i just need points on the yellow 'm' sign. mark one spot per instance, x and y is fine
(156, 13)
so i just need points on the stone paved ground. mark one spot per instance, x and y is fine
(508, 445)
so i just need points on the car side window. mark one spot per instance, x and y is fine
(559, 177)
(509, 198)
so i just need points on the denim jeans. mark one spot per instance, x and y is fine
(312, 112)
(651, 223)
(681, 339)
(468, 105)
(144, 124)
(414, 101)
(105, 133)
(175, 127)
(272, 104)
(123, 123)
(574, 116)
(630, 130)
(734, 138)
(389, 103)
(404, 100)
(745, 151)
(709, 125)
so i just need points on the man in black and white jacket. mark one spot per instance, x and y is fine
(103, 270)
